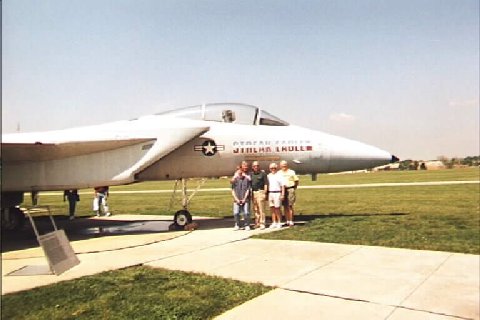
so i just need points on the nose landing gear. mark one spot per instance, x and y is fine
(182, 218)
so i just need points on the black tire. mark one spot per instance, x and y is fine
(15, 220)
(182, 218)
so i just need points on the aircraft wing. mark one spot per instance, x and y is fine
(112, 155)
(38, 151)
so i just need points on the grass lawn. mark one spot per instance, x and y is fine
(132, 293)
(445, 218)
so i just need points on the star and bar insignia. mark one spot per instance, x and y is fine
(209, 148)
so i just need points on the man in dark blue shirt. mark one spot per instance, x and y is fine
(241, 186)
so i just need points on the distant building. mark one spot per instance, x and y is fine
(413, 165)
(434, 165)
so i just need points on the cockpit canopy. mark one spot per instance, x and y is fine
(228, 112)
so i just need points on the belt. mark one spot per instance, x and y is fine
(274, 191)
(291, 187)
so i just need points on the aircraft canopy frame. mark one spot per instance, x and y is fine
(237, 113)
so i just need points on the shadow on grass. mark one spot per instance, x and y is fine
(228, 221)
(310, 217)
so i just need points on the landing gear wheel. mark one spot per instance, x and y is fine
(181, 219)
(13, 219)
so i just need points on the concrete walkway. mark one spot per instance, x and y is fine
(312, 280)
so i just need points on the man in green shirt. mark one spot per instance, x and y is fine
(259, 188)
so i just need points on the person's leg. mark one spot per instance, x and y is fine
(285, 205)
(290, 216)
(236, 215)
(256, 209)
(71, 208)
(291, 202)
(106, 209)
(278, 214)
(96, 206)
(261, 209)
(286, 211)
(246, 215)
(272, 214)
(100, 205)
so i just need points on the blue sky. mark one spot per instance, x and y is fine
(400, 75)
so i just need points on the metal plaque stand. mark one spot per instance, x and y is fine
(55, 245)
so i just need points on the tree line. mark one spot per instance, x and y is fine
(447, 162)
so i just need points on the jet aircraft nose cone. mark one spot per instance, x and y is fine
(374, 155)
(349, 155)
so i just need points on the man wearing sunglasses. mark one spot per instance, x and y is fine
(276, 194)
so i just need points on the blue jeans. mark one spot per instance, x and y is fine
(245, 210)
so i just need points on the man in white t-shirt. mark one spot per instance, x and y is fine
(276, 193)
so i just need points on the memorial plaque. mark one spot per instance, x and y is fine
(59, 252)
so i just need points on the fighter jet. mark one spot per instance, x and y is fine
(206, 140)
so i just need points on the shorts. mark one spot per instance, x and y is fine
(290, 197)
(274, 199)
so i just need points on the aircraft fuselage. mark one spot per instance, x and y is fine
(194, 142)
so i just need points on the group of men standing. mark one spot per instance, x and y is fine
(277, 188)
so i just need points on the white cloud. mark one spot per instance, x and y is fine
(342, 118)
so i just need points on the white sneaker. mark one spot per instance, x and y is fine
(247, 228)
(97, 214)
(273, 225)
(262, 226)
(108, 214)
(291, 224)
(236, 228)
(278, 226)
